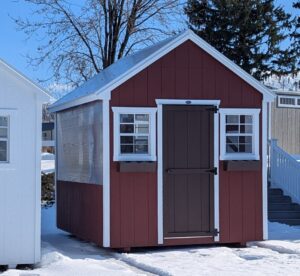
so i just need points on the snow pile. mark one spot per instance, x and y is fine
(286, 83)
(47, 163)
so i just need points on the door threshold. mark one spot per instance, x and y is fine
(189, 237)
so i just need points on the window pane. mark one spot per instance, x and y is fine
(288, 101)
(246, 129)
(3, 121)
(232, 119)
(3, 151)
(141, 140)
(142, 129)
(142, 117)
(232, 129)
(126, 128)
(3, 132)
(126, 118)
(232, 139)
(126, 149)
(231, 148)
(245, 148)
(141, 149)
(246, 119)
(245, 139)
(126, 139)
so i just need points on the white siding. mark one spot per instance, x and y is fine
(20, 179)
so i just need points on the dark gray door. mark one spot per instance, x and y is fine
(188, 170)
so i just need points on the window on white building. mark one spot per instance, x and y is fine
(289, 101)
(4, 139)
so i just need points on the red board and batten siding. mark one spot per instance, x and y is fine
(185, 73)
(80, 210)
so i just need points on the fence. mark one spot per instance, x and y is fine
(284, 171)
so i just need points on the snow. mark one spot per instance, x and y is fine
(47, 163)
(288, 83)
(62, 254)
(280, 254)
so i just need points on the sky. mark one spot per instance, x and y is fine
(13, 44)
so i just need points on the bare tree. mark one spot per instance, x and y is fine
(78, 41)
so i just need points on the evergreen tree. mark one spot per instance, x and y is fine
(251, 33)
(296, 34)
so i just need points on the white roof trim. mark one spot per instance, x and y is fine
(186, 35)
(43, 95)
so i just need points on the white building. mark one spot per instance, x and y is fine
(20, 160)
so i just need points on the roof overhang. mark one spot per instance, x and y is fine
(42, 94)
(105, 91)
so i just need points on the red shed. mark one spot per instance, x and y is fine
(164, 147)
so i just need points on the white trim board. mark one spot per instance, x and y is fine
(264, 169)
(178, 40)
(106, 171)
(160, 103)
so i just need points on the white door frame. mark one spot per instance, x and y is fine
(160, 103)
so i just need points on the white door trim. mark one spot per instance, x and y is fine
(160, 103)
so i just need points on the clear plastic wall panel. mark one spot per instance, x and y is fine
(79, 144)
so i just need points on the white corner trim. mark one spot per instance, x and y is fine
(160, 219)
(239, 111)
(160, 103)
(106, 172)
(264, 169)
(38, 149)
(151, 156)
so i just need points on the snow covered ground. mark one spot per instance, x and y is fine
(47, 163)
(66, 255)
(63, 255)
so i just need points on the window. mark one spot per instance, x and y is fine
(134, 134)
(239, 134)
(289, 101)
(4, 138)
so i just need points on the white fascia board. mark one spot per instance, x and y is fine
(187, 35)
(76, 102)
(268, 95)
(106, 95)
(41, 93)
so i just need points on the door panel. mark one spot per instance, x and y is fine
(187, 164)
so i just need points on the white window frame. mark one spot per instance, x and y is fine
(296, 98)
(7, 140)
(254, 112)
(151, 156)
